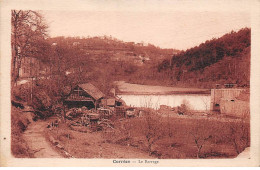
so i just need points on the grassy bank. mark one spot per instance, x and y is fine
(19, 123)
(157, 137)
(91, 145)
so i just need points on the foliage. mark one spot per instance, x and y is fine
(239, 135)
(102, 60)
(191, 138)
(150, 127)
(200, 136)
(27, 38)
(213, 61)
(184, 108)
(19, 123)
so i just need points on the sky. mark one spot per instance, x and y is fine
(166, 29)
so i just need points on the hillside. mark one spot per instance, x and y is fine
(222, 60)
(103, 60)
(112, 49)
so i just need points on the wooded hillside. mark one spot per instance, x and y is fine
(222, 60)
(103, 60)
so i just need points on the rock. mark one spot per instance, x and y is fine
(52, 140)
(60, 146)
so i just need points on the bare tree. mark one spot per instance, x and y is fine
(239, 135)
(200, 142)
(28, 33)
(169, 127)
(152, 129)
(205, 102)
(200, 135)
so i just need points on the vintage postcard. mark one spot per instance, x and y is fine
(130, 83)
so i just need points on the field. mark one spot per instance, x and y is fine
(92, 145)
(157, 137)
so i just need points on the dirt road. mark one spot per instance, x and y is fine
(34, 136)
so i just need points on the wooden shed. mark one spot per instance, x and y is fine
(84, 95)
(110, 102)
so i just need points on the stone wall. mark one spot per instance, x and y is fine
(237, 108)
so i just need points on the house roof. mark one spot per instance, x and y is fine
(92, 90)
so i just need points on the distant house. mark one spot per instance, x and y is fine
(230, 85)
(76, 43)
(84, 95)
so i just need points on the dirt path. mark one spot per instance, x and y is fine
(34, 136)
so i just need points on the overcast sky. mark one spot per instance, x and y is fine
(179, 30)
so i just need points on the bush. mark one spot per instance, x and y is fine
(19, 123)
(184, 108)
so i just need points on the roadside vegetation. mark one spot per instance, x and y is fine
(19, 123)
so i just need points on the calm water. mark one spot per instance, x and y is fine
(195, 101)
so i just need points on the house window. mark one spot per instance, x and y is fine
(78, 91)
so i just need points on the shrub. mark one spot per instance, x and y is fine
(19, 123)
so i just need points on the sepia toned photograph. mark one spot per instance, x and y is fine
(131, 86)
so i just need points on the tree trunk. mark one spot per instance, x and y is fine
(17, 71)
(198, 153)
(199, 149)
(64, 112)
(150, 149)
(15, 56)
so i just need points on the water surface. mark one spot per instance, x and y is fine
(195, 101)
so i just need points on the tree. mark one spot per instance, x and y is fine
(200, 142)
(27, 38)
(152, 128)
(239, 134)
(205, 102)
(207, 56)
